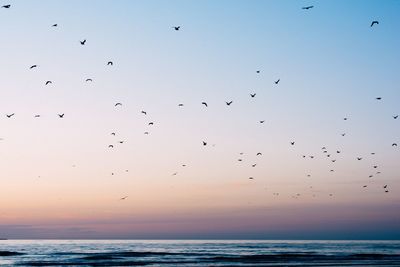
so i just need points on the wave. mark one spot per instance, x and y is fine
(10, 253)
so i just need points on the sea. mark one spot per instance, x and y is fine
(198, 253)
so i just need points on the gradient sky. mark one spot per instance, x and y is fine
(56, 174)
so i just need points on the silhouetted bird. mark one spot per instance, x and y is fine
(10, 115)
(253, 165)
(259, 154)
(61, 115)
(89, 80)
(118, 104)
(143, 112)
(359, 158)
(395, 117)
(385, 186)
(204, 103)
(292, 143)
(48, 82)
(262, 121)
(253, 95)
(343, 134)
(37, 116)
(111, 146)
(54, 25)
(33, 66)
(180, 105)
(394, 144)
(229, 103)
(378, 98)
(110, 63)
(177, 28)
(6, 6)
(374, 22)
(277, 81)
(113, 134)
(307, 7)
(204, 143)
(123, 198)
(257, 71)
(83, 42)
(251, 178)
(151, 123)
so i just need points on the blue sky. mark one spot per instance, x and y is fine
(59, 173)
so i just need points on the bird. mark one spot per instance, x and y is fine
(253, 95)
(83, 42)
(6, 6)
(174, 174)
(143, 112)
(385, 186)
(37, 116)
(123, 198)
(110, 63)
(375, 166)
(378, 98)
(61, 115)
(121, 142)
(262, 121)
(89, 80)
(180, 105)
(358, 158)
(177, 28)
(258, 71)
(48, 82)
(307, 7)
(54, 25)
(146, 132)
(277, 81)
(118, 104)
(251, 178)
(204, 103)
(113, 133)
(338, 151)
(151, 123)
(343, 134)
(394, 144)
(253, 165)
(364, 186)
(395, 117)
(204, 143)
(240, 159)
(10, 115)
(259, 154)
(374, 22)
(292, 143)
(33, 66)
(110, 146)
(229, 103)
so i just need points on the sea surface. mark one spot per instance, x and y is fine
(198, 253)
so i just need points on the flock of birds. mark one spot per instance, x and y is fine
(324, 149)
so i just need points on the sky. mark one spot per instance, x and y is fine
(60, 179)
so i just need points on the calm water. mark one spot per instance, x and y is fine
(198, 253)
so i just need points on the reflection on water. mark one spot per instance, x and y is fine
(198, 253)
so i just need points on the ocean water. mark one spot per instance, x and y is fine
(198, 253)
